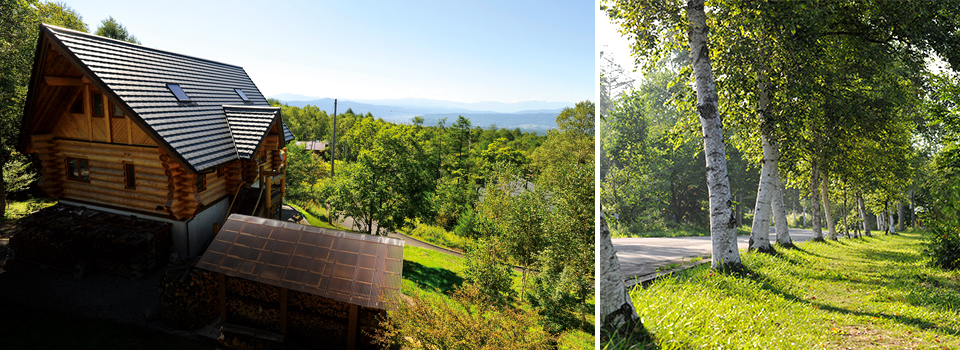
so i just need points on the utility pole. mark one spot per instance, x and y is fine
(333, 155)
(333, 147)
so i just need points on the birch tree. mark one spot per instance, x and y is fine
(616, 308)
(651, 22)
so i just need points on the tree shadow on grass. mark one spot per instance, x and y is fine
(436, 278)
(904, 320)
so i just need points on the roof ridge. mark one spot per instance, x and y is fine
(97, 37)
(251, 107)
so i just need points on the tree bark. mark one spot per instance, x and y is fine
(825, 191)
(760, 232)
(900, 216)
(780, 214)
(616, 308)
(913, 211)
(814, 202)
(846, 226)
(723, 229)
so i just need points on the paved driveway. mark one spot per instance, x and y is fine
(640, 257)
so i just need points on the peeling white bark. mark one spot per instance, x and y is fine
(814, 202)
(723, 230)
(780, 213)
(825, 191)
(760, 231)
(863, 215)
(616, 308)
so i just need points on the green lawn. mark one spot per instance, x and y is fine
(871, 293)
(314, 220)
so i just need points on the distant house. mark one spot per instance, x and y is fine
(137, 131)
(317, 147)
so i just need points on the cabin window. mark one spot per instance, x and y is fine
(243, 96)
(220, 170)
(178, 92)
(129, 176)
(97, 105)
(117, 112)
(77, 106)
(78, 169)
(201, 182)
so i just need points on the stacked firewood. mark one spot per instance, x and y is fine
(253, 290)
(188, 296)
(253, 313)
(312, 303)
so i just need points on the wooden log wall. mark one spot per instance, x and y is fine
(106, 185)
(233, 177)
(216, 188)
(184, 202)
(271, 145)
(53, 168)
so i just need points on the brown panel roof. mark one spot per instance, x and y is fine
(350, 267)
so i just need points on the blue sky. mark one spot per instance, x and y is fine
(472, 51)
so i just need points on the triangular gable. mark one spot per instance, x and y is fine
(196, 133)
(249, 126)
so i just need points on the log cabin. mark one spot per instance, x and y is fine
(157, 135)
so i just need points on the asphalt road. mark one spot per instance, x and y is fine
(640, 257)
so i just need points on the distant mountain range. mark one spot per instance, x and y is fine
(531, 116)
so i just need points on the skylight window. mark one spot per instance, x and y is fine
(178, 92)
(243, 96)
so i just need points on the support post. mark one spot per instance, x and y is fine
(352, 330)
(222, 286)
(283, 310)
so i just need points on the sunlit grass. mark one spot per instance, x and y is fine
(18, 209)
(866, 293)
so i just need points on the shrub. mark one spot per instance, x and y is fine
(944, 223)
(463, 321)
(485, 271)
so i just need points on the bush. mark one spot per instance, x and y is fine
(560, 293)
(464, 321)
(944, 223)
(485, 271)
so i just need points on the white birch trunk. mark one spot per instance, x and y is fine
(900, 219)
(863, 214)
(616, 308)
(814, 202)
(825, 191)
(760, 232)
(893, 228)
(723, 230)
(780, 214)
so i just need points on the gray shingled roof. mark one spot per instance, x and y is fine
(249, 125)
(198, 131)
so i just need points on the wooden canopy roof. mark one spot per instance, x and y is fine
(354, 268)
(196, 132)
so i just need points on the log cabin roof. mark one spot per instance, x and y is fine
(354, 268)
(249, 125)
(198, 132)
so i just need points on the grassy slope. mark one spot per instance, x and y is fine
(437, 272)
(874, 293)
